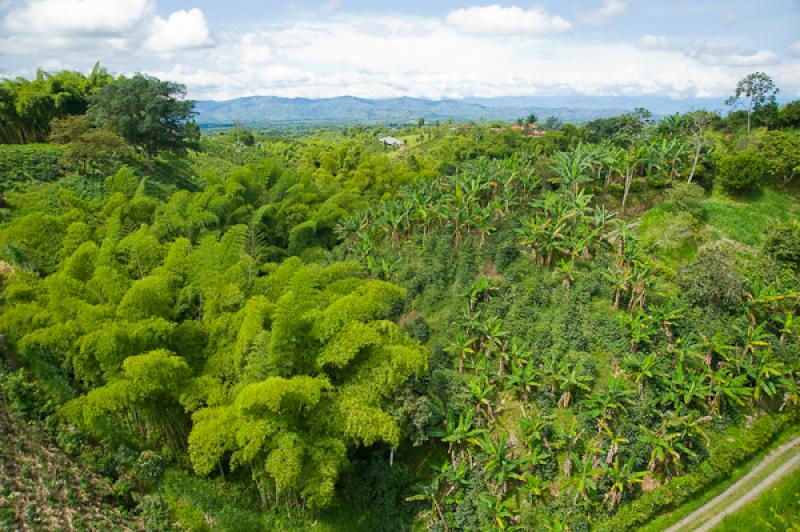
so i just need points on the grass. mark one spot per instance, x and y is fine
(778, 508)
(747, 220)
(668, 519)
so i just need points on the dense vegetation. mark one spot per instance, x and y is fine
(480, 330)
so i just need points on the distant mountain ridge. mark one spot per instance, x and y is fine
(353, 110)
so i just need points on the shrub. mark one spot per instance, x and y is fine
(783, 243)
(711, 280)
(686, 197)
(742, 172)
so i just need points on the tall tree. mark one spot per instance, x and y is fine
(754, 91)
(148, 113)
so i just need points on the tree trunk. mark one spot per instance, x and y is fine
(149, 161)
(628, 180)
(694, 164)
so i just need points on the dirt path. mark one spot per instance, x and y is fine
(714, 511)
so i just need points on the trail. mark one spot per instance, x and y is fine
(732, 499)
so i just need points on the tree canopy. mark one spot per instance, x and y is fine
(148, 113)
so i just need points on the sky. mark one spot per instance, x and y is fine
(224, 49)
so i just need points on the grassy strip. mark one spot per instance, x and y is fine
(778, 508)
(737, 473)
(732, 449)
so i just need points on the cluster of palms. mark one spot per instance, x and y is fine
(675, 378)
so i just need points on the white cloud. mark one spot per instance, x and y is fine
(432, 59)
(33, 27)
(794, 49)
(758, 58)
(77, 17)
(609, 10)
(499, 20)
(183, 30)
(252, 49)
(710, 52)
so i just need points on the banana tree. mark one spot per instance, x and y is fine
(571, 379)
(633, 158)
(523, 378)
(641, 368)
(584, 479)
(573, 168)
(725, 386)
(459, 431)
(615, 440)
(461, 346)
(621, 479)
(498, 461)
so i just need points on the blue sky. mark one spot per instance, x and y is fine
(443, 49)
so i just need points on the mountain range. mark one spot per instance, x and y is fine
(266, 110)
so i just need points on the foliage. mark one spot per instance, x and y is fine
(28, 106)
(742, 172)
(790, 114)
(21, 163)
(783, 243)
(723, 458)
(757, 90)
(148, 113)
(482, 330)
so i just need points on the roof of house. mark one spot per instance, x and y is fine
(392, 141)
